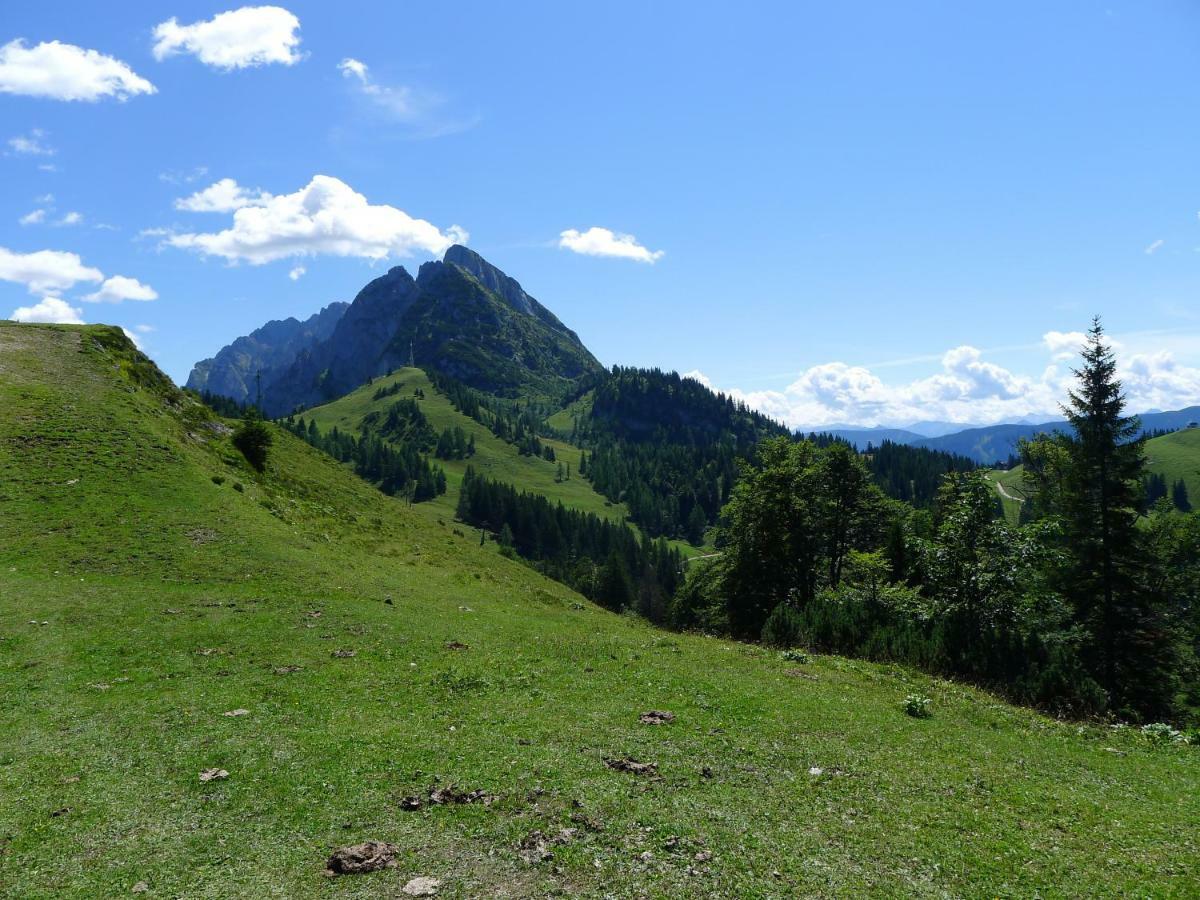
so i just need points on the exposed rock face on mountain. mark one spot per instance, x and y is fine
(461, 316)
(231, 373)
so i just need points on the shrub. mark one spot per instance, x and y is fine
(239, 487)
(218, 480)
(253, 438)
(796, 656)
(918, 706)
(783, 627)
(1162, 733)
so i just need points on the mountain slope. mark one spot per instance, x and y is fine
(1176, 457)
(461, 317)
(995, 443)
(494, 458)
(169, 599)
(232, 372)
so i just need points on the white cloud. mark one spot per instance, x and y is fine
(238, 39)
(421, 109)
(45, 270)
(183, 177)
(297, 273)
(71, 218)
(326, 216)
(119, 287)
(1064, 344)
(603, 242)
(31, 144)
(36, 217)
(47, 167)
(1154, 247)
(144, 329)
(399, 101)
(225, 195)
(967, 390)
(133, 338)
(49, 310)
(65, 72)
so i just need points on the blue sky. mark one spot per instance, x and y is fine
(868, 212)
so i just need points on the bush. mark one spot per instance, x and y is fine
(1162, 733)
(239, 487)
(918, 706)
(796, 656)
(218, 480)
(784, 626)
(253, 438)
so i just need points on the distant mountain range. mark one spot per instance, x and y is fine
(460, 316)
(990, 444)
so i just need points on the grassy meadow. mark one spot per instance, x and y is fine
(150, 583)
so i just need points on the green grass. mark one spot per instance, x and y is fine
(1013, 493)
(170, 599)
(493, 457)
(1177, 456)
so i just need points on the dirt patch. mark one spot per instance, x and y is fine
(447, 796)
(344, 654)
(287, 670)
(369, 856)
(200, 536)
(632, 766)
(422, 886)
(537, 846)
(457, 645)
(800, 673)
(214, 775)
(656, 717)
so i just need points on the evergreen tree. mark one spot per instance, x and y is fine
(1100, 502)
(614, 590)
(1179, 496)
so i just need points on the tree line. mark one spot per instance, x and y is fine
(602, 559)
(1089, 605)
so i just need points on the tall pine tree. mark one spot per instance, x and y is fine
(1128, 649)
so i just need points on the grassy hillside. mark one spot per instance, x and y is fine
(140, 601)
(1010, 488)
(1177, 456)
(1174, 456)
(493, 457)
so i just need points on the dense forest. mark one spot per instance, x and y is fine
(1090, 606)
(395, 468)
(667, 447)
(603, 560)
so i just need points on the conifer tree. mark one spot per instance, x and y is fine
(1100, 503)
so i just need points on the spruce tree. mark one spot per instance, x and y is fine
(1100, 502)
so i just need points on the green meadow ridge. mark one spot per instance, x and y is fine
(153, 587)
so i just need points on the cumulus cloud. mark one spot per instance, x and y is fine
(32, 144)
(71, 218)
(45, 271)
(53, 310)
(603, 242)
(297, 273)
(967, 389)
(1063, 344)
(65, 72)
(327, 217)
(238, 39)
(35, 217)
(225, 195)
(118, 288)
